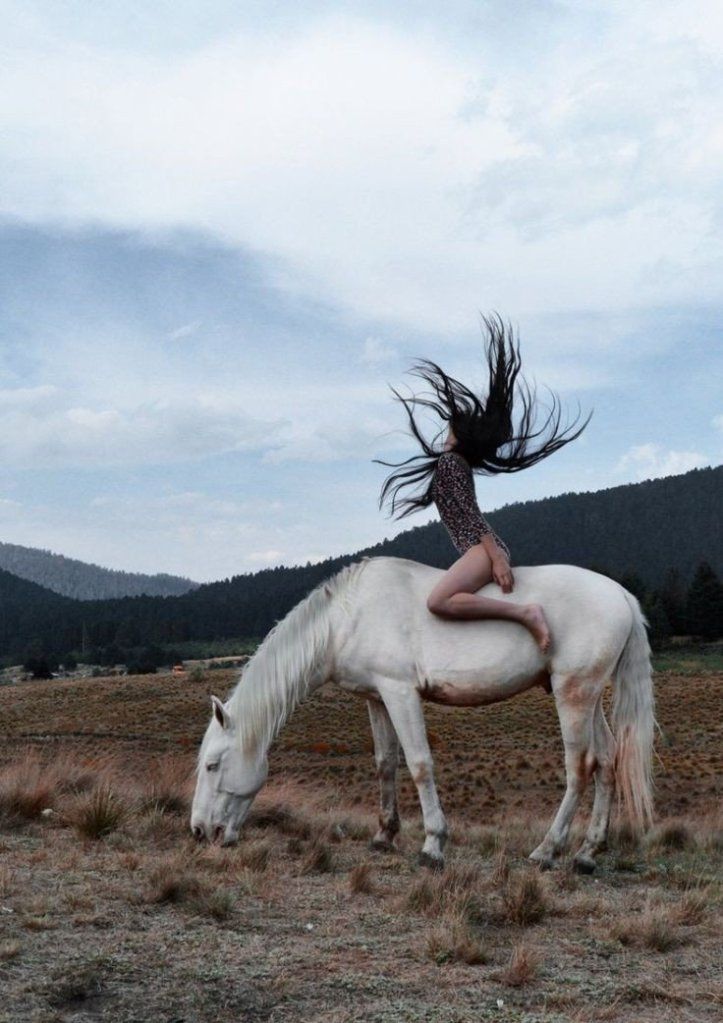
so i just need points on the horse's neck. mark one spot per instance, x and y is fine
(291, 663)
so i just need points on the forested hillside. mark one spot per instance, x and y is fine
(83, 581)
(660, 538)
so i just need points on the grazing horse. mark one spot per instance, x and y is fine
(368, 629)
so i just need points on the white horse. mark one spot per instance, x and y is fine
(368, 630)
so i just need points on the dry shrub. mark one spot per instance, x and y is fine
(360, 879)
(131, 860)
(27, 787)
(456, 891)
(525, 898)
(623, 836)
(649, 991)
(454, 940)
(173, 886)
(9, 950)
(282, 818)
(157, 827)
(6, 882)
(98, 813)
(176, 882)
(654, 929)
(76, 985)
(693, 906)
(501, 867)
(347, 827)
(254, 856)
(218, 903)
(489, 841)
(318, 859)
(357, 829)
(673, 836)
(294, 846)
(168, 786)
(521, 968)
(522, 834)
(711, 836)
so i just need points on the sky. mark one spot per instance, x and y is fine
(227, 230)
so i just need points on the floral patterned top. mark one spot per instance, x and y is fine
(454, 495)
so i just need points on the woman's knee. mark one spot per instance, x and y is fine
(437, 604)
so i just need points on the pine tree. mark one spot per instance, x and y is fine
(672, 594)
(655, 612)
(704, 605)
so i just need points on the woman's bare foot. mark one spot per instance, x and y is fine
(533, 618)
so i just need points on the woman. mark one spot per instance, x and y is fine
(480, 438)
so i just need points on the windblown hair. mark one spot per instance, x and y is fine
(278, 676)
(484, 429)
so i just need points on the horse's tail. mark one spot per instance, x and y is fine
(633, 721)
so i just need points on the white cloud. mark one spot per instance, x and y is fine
(265, 557)
(718, 422)
(38, 427)
(649, 461)
(375, 350)
(187, 330)
(408, 179)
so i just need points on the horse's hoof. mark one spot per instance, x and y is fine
(542, 862)
(426, 859)
(381, 845)
(583, 865)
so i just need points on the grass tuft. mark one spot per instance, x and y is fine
(456, 891)
(282, 818)
(454, 940)
(360, 879)
(173, 885)
(98, 813)
(255, 856)
(654, 929)
(318, 859)
(77, 985)
(525, 899)
(26, 789)
(693, 906)
(522, 967)
(9, 950)
(167, 790)
(675, 836)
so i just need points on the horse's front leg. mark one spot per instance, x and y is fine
(404, 706)
(386, 753)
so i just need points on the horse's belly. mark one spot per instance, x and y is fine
(477, 693)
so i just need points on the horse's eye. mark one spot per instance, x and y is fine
(212, 767)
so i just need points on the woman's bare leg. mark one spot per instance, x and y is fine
(455, 596)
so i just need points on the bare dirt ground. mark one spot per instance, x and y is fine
(109, 911)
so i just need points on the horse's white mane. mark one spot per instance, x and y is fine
(276, 678)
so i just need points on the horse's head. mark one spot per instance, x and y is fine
(228, 780)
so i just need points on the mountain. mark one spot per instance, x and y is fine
(641, 529)
(83, 581)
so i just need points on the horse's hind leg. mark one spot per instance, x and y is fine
(576, 699)
(596, 837)
(386, 754)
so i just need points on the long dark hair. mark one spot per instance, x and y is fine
(484, 429)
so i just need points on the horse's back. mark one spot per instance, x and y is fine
(587, 613)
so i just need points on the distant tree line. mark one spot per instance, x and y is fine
(661, 539)
(72, 578)
(673, 609)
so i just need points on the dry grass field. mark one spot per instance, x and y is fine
(109, 910)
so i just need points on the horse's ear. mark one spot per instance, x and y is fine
(220, 712)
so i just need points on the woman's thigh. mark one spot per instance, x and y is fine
(472, 570)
